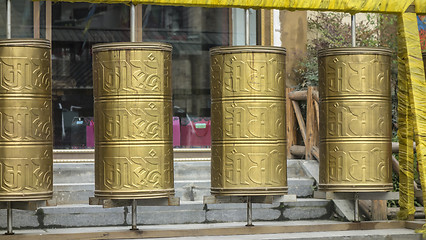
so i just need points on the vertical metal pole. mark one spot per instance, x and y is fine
(132, 23)
(247, 13)
(134, 215)
(9, 219)
(353, 27)
(8, 19)
(249, 212)
(49, 20)
(356, 208)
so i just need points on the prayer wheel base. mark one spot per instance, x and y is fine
(16, 197)
(355, 188)
(249, 191)
(134, 195)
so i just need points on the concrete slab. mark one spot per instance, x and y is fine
(300, 230)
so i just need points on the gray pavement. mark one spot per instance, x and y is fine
(380, 234)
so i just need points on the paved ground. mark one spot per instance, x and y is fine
(320, 229)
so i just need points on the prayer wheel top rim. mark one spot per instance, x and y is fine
(354, 51)
(25, 42)
(247, 49)
(132, 46)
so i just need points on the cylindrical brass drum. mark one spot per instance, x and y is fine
(133, 115)
(248, 121)
(355, 120)
(26, 120)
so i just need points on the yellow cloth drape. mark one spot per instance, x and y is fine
(405, 130)
(409, 54)
(352, 6)
(420, 6)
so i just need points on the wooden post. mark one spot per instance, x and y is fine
(300, 120)
(379, 210)
(311, 124)
(290, 123)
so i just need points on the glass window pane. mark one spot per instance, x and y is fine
(75, 28)
(192, 32)
(22, 19)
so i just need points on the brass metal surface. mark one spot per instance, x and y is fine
(26, 120)
(248, 121)
(355, 115)
(133, 114)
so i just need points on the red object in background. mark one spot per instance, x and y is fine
(195, 132)
(421, 22)
(176, 131)
(90, 134)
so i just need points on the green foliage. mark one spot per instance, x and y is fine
(328, 30)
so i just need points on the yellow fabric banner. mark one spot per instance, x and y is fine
(351, 6)
(420, 7)
(409, 53)
(405, 131)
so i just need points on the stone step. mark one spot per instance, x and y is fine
(72, 193)
(74, 182)
(190, 170)
(188, 212)
(73, 173)
(186, 190)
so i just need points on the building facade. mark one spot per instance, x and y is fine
(74, 28)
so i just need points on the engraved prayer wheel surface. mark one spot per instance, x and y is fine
(248, 121)
(133, 116)
(26, 140)
(355, 120)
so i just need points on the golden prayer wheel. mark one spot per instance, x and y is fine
(26, 120)
(355, 115)
(248, 121)
(133, 115)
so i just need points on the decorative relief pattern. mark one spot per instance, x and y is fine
(354, 75)
(132, 72)
(129, 120)
(140, 168)
(356, 163)
(25, 120)
(242, 166)
(248, 122)
(355, 108)
(26, 74)
(133, 114)
(248, 74)
(22, 172)
(356, 119)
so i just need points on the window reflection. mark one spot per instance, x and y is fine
(191, 31)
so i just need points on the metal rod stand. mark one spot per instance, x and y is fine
(132, 23)
(9, 219)
(353, 28)
(8, 19)
(247, 32)
(249, 212)
(134, 215)
(356, 208)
